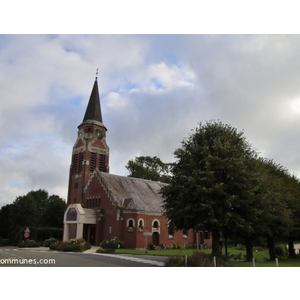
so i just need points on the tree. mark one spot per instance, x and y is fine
(35, 209)
(212, 185)
(151, 168)
(280, 197)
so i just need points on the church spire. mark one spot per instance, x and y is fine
(93, 113)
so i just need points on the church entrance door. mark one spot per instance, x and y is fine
(89, 233)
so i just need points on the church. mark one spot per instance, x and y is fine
(101, 206)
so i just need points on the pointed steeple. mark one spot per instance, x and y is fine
(93, 113)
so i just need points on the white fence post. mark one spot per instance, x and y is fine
(253, 262)
(215, 261)
(276, 261)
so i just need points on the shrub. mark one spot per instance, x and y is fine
(28, 244)
(53, 246)
(73, 245)
(112, 244)
(198, 259)
(50, 241)
(175, 261)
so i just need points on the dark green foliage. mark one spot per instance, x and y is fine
(212, 184)
(281, 251)
(220, 184)
(35, 210)
(28, 244)
(151, 168)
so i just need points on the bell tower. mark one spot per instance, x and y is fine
(90, 150)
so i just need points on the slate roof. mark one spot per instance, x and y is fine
(133, 193)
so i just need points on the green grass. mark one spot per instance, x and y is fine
(261, 256)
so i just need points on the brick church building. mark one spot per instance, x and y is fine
(101, 206)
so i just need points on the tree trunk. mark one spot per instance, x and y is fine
(271, 247)
(249, 248)
(215, 243)
(292, 252)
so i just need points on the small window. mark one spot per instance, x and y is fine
(80, 162)
(75, 163)
(101, 162)
(130, 223)
(92, 162)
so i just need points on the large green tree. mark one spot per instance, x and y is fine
(212, 185)
(279, 219)
(147, 167)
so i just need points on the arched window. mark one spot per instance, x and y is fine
(155, 226)
(141, 225)
(130, 224)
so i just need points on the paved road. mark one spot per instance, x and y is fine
(38, 258)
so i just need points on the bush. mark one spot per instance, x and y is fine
(112, 244)
(73, 245)
(28, 244)
(50, 241)
(175, 261)
(198, 259)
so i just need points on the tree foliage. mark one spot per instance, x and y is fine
(147, 167)
(219, 184)
(36, 209)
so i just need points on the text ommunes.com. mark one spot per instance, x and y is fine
(24, 261)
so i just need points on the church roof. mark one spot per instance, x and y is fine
(93, 113)
(133, 193)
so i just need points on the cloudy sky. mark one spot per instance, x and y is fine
(153, 88)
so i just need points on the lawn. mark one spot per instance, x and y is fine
(261, 256)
